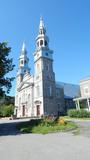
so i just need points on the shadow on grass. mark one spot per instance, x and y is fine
(10, 128)
(26, 127)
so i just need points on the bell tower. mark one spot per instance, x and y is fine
(23, 65)
(45, 77)
(22, 70)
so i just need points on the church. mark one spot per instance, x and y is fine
(39, 94)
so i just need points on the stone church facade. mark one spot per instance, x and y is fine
(38, 94)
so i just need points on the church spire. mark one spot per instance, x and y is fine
(41, 23)
(23, 61)
(42, 40)
(23, 50)
(41, 26)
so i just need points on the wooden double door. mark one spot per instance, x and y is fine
(38, 110)
(23, 110)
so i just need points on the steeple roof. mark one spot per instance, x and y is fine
(41, 23)
(23, 50)
(42, 29)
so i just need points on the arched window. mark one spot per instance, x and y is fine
(21, 61)
(41, 31)
(47, 67)
(49, 91)
(28, 100)
(37, 44)
(41, 42)
(19, 102)
(25, 61)
(38, 66)
(21, 78)
(45, 43)
(23, 96)
(38, 91)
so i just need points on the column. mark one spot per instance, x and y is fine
(78, 104)
(32, 101)
(88, 104)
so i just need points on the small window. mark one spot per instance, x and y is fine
(38, 44)
(38, 91)
(38, 66)
(58, 93)
(46, 54)
(21, 61)
(41, 32)
(49, 91)
(47, 67)
(86, 91)
(41, 42)
(19, 102)
(28, 97)
(45, 43)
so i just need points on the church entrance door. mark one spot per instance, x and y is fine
(38, 110)
(23, 111)
(16, 113)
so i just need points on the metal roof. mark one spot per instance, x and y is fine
(70, 90)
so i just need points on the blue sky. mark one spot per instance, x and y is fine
(68, 27)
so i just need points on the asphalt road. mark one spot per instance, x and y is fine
(56, 146)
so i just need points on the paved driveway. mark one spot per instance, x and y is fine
(58, 146)
(84, 127)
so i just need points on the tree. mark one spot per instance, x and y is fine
(7, 100)
(6, 110)
(6, 65)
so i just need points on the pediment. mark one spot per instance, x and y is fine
(24, 85)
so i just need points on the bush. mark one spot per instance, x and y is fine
(78, 113)
(72, 113)
(61, 121)
(6, 110)
(0, 113)
(48, 121)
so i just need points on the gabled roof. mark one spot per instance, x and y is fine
(25, 85)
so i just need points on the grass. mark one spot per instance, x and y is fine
(44, 126)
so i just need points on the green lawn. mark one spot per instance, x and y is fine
(38, 126)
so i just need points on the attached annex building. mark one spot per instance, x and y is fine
(83, 100)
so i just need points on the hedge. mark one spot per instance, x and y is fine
(78, 113)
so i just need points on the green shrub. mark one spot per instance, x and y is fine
(6, 110)
(47, 121)
(1, 113)
(72, 113)
(78, 113)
